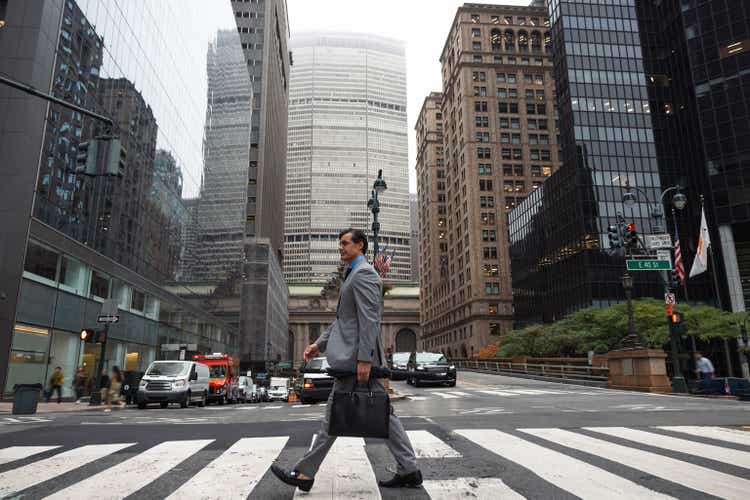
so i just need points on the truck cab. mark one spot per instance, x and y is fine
(224, 370)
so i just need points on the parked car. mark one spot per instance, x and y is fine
(314, 384)
(430, 367)
(246, 390)
(167, 382)
(399, 363)
(279, 390)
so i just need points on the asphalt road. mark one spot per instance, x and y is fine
(488, 437)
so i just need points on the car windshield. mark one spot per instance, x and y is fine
(319, 364)
(167, 369)
(431, 357)
(217, 371)
(400, 357)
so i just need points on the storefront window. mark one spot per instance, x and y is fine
(28, 356)
(64, 352)
(41, 261)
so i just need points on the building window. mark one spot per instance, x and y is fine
(479, 76)
(494, 327)
(482, 121)
(475, 18)
(502, 93)
(99, 285)
(489, 252)
(488, 218)
(482, 136)
(480, 106)
(485, 184)
(511, 78)
(485, 169)
(476, 32)
(492, 288)
(505, 154)
(487, 201)
(480, 91)
(504, 123)
(516, 139)
(489, 235)
(533, 139)
(41, 261)
(139, 301)
(505, 138)
(500, 77)
(490, 270)
(484, 153)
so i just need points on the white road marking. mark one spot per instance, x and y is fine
(133, 474)
(417, 398)
(459, 393)
(498, 393)
(568, 473)
(302, 406)
(471, 487)
(684, 473)
(345, 473)
(248, 460)
(15, 480)
(719, 433)
(426, 445)
(718, 453)
(13, 453)
(272, 407)
(445, 395)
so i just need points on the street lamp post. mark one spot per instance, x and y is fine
(378, 188)
(631, 341)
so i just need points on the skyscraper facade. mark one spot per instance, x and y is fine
(499, 144)
(347, 121)
(558, 236)
(414, 236)
(71, 241)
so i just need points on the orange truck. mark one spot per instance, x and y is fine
(224, 373)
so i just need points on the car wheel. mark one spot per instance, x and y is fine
(452, 384)
(221, 400)
(417, 383)
(186, 402)
(163, 405)
(141, 406)
(202, 402)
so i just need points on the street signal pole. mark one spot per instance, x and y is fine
(676, 330)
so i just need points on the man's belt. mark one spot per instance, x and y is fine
(375, 372)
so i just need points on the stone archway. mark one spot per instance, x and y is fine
(406, 340)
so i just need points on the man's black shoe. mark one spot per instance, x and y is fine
(292, 479)
(411, 480)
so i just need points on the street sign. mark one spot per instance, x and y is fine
(648, 265)
(654, 241)
(664, 255)
(670, 299)
(114, 318)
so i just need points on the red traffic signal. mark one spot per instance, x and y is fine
(631, 227)
(89, 335)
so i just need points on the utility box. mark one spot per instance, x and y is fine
(26, 398)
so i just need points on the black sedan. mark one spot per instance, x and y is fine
(314, 383)
(430, 367)
(399, 364)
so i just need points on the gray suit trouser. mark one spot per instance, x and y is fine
(398, 442)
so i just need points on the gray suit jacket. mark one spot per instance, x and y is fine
(355, 334)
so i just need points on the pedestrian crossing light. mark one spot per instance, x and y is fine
(116, 158)
(86, 157)
(677, 323)
(91, 336)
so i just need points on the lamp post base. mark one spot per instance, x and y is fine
(679, 385)
(638, 370)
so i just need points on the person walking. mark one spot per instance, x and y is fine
(79, 383)
(114, 394)
(704, 368)
(56, 382)
(352, 345)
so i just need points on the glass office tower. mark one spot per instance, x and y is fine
(559, 233)
(71, 241)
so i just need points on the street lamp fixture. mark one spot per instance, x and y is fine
(378, 188)
(629, 199)
(679, 200)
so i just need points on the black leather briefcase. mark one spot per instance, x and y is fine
(360, 412)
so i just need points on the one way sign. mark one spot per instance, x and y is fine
(108, 313)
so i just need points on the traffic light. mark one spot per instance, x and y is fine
(677, 323)
(615, 240)
(674, 280)
(116, 158)
(631, 236)
(86, 157)
(91, 336)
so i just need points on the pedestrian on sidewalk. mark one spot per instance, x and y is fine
(352, 345)
(704, 368)
(56, 382)
(114, 394)
(79, 383)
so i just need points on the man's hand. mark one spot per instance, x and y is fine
(310, 352)
(363, 371)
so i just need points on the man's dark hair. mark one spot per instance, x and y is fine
(357, 237)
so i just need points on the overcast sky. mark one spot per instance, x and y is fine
(422, 24)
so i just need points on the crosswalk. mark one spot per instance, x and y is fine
(442, 393)
(590, 463)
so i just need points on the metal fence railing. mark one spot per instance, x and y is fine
(568, 372)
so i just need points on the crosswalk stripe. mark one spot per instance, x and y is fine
(445, 395)
(14, 453)
(718, 453)
(459, 393)
(532, 392)
(248, 460)
(718, 433)
(19, 479)
(133, 474)
(417, 398)
(573, 475)
(683, 473)
(471, 487)
(426, 445)
(271, 407)
(498, 393)
(345, 473)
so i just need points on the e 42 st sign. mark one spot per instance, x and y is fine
(648, 265)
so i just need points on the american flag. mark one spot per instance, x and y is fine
(679, 269)
(382, 263)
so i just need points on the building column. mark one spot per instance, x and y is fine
(734, 282)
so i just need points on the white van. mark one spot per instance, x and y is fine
(167, 382)
(279, 389)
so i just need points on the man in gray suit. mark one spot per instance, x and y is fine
(352, 344)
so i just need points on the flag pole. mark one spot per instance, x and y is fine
(684, 279)
(714, 271)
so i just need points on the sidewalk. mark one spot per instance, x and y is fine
(6, 407)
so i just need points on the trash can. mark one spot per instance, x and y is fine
(25, 398)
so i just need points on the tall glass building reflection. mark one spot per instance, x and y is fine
(558, 234)
(72, 241)
(347, 120)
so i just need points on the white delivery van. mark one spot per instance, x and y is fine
(167, 382)
(279, 389)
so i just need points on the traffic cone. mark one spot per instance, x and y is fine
(292, 397)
